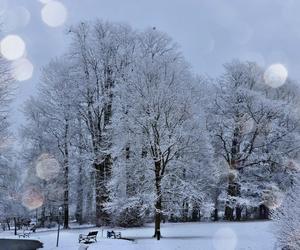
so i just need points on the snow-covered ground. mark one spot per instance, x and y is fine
(179, 236)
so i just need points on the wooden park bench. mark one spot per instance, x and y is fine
(90, 237)
(24, 234)
(115, 235)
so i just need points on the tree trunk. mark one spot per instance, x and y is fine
(216, 204)
(229, 210)
(102, 216)
(8, 224)
(238, 213)
(15, 222)
(185, 211)
(196, 213)
(103, 169)
(216, 215)
(66, 208)
(233, 189)
(158, 203)
(43, 214)
(19, 224)
(66, 177)
(263, 212)
(158, 208)
(90, 217)
(229, 213)
(247, 214)
(79, 204)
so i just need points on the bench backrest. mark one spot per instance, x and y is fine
(93, 233)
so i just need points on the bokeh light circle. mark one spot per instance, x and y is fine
(54, 14)
(225, 239)
(47, 167)
(32, 198)
(24, 16)
(15, 18)
(276, 75)
(12, 47)
(22, 69)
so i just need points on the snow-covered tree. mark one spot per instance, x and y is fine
(160, 141)
(8, 174)
(253, 132)
(101, 54)
(52, 114)
(286, 218)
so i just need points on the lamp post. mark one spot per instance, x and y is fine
(59, 217)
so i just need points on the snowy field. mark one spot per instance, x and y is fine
(179, 236)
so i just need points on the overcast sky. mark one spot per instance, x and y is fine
(210, 32)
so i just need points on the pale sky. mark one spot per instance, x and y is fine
(209, 32)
